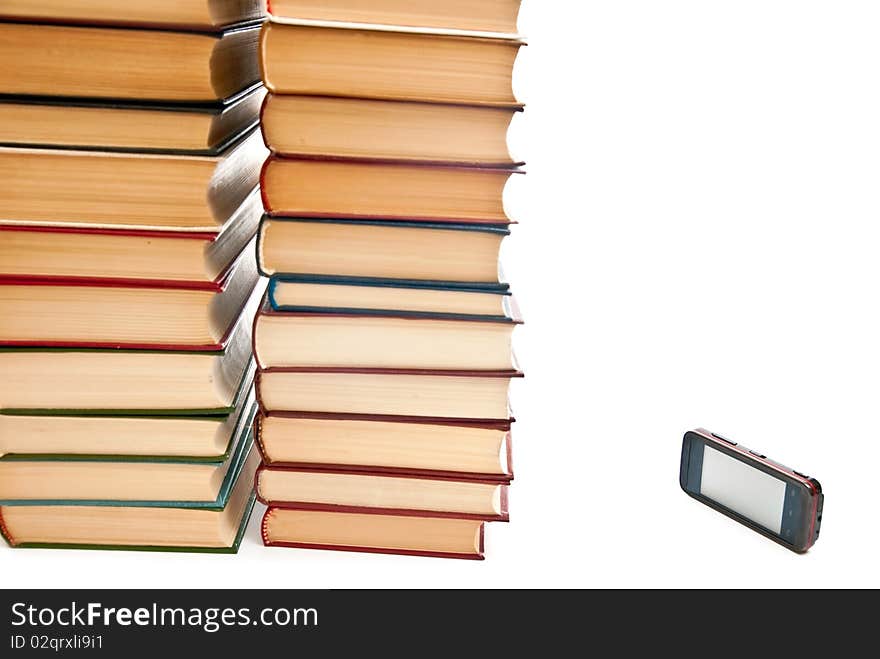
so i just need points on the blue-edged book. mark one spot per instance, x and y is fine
(379, 297)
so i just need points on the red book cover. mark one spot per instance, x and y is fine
(389, 371)
(507, 447)
(158, 235)
(479, 556)
(267, 310)
(503, 516)
(218, 287)
(492, 424)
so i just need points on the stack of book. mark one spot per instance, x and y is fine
(384, 343)
(129, 168)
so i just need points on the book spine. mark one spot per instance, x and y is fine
(4, 531)
(508, 444)
(258, 243)
(264, 533)
(264, 194)
(258, 437)
(262, 124)
(254, 324)
(270, 294)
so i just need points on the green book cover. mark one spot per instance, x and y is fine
(232, 549)
(241, 390)
(243, 442)
(243, 412)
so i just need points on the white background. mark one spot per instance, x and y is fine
(699, 246)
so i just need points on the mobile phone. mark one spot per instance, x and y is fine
(770, 498)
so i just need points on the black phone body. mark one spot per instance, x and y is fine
(770, 498)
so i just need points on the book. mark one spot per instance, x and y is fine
(208, 15)
(310, 187)
(47, 480)
(413, 341)
(190, 258)
(132, 438)
(382, 534)
(142, 64)
(391, 494)
(375, 250)
(99, 382)
(458, 449)
(123, 314)
(394, 297)
(488, 15)
(196, 128)
(390, 130)
(58, 187)
(383, 393)
(337, 59)
(166, 528)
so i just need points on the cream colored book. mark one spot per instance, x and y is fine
(135, 191)
(332, 59)
(486, 15)
(136, 64)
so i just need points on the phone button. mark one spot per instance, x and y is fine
(756, 454)
(723, 439)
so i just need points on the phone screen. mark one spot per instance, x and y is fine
(743, 489)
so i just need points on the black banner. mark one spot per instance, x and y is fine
(117, 623)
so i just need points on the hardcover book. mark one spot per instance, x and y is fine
(59, 312)
(390, 297)
(336, 59)
(375, 250)
(461, 450)
(205, 15)
(405, 341)
(388, 394)
(136, 64)
(100, 189)
(374, 189)
(437, 537)
(319, 126)
(88, 124)
(190, 259)
(390, 494)
(488, 15)
(166, 528)
(207, 439)
(178, 482)
(50, 381)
